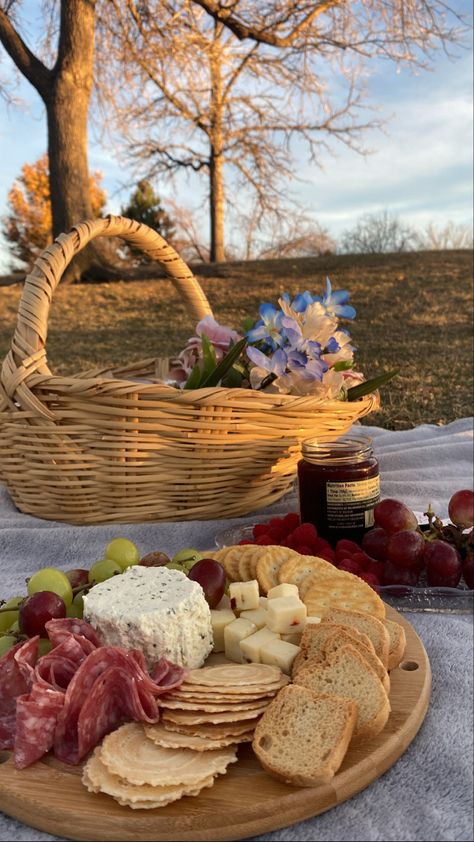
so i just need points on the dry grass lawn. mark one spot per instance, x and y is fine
(414, 312)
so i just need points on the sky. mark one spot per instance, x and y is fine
(420, 169)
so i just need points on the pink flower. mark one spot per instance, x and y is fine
(220, 335)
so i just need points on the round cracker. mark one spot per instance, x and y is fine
(295, 570)
(187, 717)
(216, 731)
(174, 739)
(212, 708)
(346, 591)
(98, 778)
(235, 675)
(129, 754)
(269, 563)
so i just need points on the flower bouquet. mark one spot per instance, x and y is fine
(297, 348)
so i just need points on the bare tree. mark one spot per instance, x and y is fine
(400, 30)
(379, 233)
(449, 236)
(226, 88)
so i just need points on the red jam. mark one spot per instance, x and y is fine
(339, 486)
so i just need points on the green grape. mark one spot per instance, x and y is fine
(123, 552)
(6, 643)
(174, 565)
(15, 627)
(9, 617)
(186, 559)
(51, 579)
(44, 646)
(75, 610)
(103, 570)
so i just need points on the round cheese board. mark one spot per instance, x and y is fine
(246, 801)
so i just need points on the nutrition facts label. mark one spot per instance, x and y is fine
(351, 504)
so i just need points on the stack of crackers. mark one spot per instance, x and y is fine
(321, 585)
(215, 709)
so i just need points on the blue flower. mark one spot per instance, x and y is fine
(294, 335)
(268, 328)
(309, 368)
(335, 303)
(276, 364)
(300, 301)
(332, 347)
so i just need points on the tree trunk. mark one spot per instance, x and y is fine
(216, 160)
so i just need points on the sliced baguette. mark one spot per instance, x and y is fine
(397, 643)
(343, 638)
(347, 674)
(365, 624)
(314, 637)
(302, 737)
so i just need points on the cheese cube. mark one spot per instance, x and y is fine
(286, 615)
(233, 634)
(244, 596)
(250, 646)
(279, 653)
(220, 618)
(283, 590)
(263, 601)
(292, 638)
(257, 616)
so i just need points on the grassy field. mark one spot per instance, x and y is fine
(414, 312)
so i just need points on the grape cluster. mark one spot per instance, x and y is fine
(397, 551)
(53, 594)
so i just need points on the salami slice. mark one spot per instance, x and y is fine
(16, 674)
(7, 731)
(173, 677)
(36, 718)
(114, 699)
(57, 668)
(58, 630)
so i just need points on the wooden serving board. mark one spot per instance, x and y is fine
(246, 801)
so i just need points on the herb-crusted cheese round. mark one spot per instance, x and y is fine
(154, 609)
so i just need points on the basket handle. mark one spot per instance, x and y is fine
(28, 354)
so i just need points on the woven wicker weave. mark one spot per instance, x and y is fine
(100, 447)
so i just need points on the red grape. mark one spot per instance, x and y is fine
(394, 575)
(461, 508)
(374, 543)
(155, 559)
(405, 549)
(468, 569)
(443, 564)
(211, 576)
(37, 609)
(394, 516)
(78, 577)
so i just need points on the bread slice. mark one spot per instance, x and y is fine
(302, 737)
(397, 643)
(314, 637)
(347, 674)
(342, 638)
(366, 624)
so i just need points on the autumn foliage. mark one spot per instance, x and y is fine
(28, 225)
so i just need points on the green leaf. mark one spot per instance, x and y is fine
(194, 378)
(370, 385)
(233, 379)
(208, 357)
(248, 324)
(225, 365)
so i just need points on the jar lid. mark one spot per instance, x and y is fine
(340, 451)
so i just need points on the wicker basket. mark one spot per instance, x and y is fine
(100, 446)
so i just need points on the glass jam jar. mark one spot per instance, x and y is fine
(339, 486)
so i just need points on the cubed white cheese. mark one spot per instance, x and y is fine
(233, 634)
(159, 611)
(257, 616)
(220, 619)
(280, 654)
(250, 646)
(244, 596)
(284, 589)
(224, 603)
(286, 615)
(312, 621)
(262, 601)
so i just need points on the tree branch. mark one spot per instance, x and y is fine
(28, 64)
(263, 36)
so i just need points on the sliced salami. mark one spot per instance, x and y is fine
(58, 630)
(7, 731)
(57, 668)
(36, 719)
(16, 674)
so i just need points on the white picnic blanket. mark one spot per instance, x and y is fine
(427, 794)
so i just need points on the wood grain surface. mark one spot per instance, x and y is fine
(246, 801)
